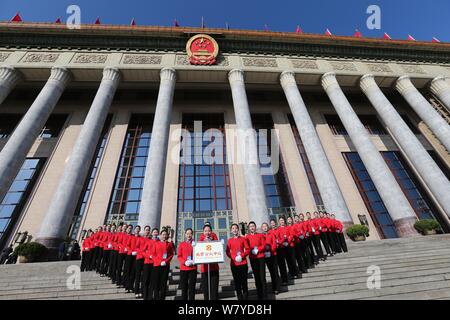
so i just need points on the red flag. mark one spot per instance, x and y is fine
(133, 22)
(16, 18)
(357, 34)
(328, 32)
(298, 30)
(98, 21)
(175, 23)
(411, 38)
(386, 36)
(435, 40)
(58, 20)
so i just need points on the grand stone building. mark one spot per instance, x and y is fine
(93, 123)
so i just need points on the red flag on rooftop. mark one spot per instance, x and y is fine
(97, 21)
(328, 32)
(435, 40)
(58, 20)
(411, 38)
(357, 34)
(133, 22)
(298, 30)
(16, 18)
(386, 36)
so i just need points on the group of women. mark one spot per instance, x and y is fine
(140, 263)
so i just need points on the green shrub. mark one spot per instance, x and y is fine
(426, 225)
(33, 251)
(357, 230)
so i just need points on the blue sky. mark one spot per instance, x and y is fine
(422, 19)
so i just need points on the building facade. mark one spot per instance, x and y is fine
(110, 124)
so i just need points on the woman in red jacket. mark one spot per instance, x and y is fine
(339, 230)
(270, 257)
(139, 265)
(148, 263)
(188, 270)
(237, 251)
(257, 243)
(208, 235)
(284, 240)
(86, 252)
(163, 252)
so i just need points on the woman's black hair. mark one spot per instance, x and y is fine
(188, 230)
(207, 225)
(234, 224)
(251, 222)
(155, 229)
(147, 226)
(282, 217)
(164, 230)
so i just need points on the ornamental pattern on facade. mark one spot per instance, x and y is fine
(40, 57)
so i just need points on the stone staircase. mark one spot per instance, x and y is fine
(414, 268)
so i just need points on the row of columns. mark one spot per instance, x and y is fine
(62, 206)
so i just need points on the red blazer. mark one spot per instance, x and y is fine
(338, 227)
(256, 240)
(162, 251)
(106, 239)
(127, 243)
(212, 266)
(315, 226)
(235, 245)
(95, 237)
(120, 242)
(148, 250)
(283, 235)
(185, 251)
(87, 244)
(139, 244)
(271, 243)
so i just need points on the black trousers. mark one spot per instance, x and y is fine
(240, 274)
(281, 260)
(272, 265)
(120, 268)
(310, 247)
(106, 255)
(85, 257)
(98, 261)
(188, 279)
(146, 280)
(300, 256)
(337, 244)
(126, 271)
(95, 253)
(214, 284)
(324, 239)
(139, 265)
(112, 265)
(131, 273)
(342, 241)
(158, 285)
(317, 245)
(259, 273)
(331, 241)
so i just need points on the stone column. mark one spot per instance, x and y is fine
(9, 77)
(425, 111)
(19, 143)
(152, 193)
(59, 215)
(326, 181)
(254, 186)
(395, 201)
(441, 88)
(419, 157)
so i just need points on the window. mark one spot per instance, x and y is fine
(369, 193)
(306, 164)
(370, 122)
(53, 126)
(18, 193)
(126, 196)
(276, 186)
(8, 122)
(410, 186)
(85, 194)
(203, 186)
